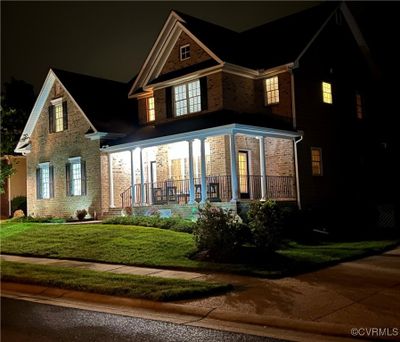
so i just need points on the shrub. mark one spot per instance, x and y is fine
(171, 223)
(219, 232)
(265, 223)
(18, 203)
(81, 214)
(38, 219)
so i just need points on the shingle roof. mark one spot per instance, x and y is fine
(272, 44)
(203, 121)
(104, 102)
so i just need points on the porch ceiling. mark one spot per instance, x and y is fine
(235, 128)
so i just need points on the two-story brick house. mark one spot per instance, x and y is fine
(272, 112)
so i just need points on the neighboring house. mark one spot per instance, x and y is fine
(274, 112)
(15, 185)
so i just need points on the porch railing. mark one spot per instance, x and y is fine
(218, 190)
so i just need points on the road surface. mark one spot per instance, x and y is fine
(28, 321)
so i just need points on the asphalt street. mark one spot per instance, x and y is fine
(28, 321)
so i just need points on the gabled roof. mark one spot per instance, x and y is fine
(103, 103)
(279, 42)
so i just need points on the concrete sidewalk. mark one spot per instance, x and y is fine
(357, 294)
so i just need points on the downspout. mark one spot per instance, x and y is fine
(294, 118)
(296, 165)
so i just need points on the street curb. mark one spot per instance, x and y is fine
(120, 305)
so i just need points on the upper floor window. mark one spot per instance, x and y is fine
(58, 116)
(44, 181)
(316, 161)
(184, 52)
(150, 110)
(272, 90)
(326, 92)
(187, 98)
(76, 177)
(359, 106)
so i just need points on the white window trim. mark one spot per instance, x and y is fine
(180, 52)
(186, 84)
(45, 165)
(74, 160)
(56, 101)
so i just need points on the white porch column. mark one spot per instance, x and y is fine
(142, 194)
(234, 174)
(132, 177)
(111, 180)
(203, 171)
(262, 169)
(191, 174)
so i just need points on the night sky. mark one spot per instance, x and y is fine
(112, 39)
(106, 39)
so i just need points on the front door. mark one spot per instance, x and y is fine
(243, 159)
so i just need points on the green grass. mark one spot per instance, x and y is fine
(153, 247)
(124, 285)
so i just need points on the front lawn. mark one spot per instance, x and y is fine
(125, 285)
(152, 247)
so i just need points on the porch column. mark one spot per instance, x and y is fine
(132, 177)
(142, 199)
(111, 180)
(262, 169)
(191, 174)
(203, 171)
(234, 174)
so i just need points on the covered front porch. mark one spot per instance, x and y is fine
(222, 165)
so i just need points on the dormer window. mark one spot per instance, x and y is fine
(58, 116)
(187, 98)
(150, 110)
(272, 90)
(184, 52)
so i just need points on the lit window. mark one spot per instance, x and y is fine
(184, 52)
(44, 178)
(76, 179)
(58, 108)
(359, 107)
(151, 114)
(326, 92)
(316, 161)
(187, 98)
(272, 90)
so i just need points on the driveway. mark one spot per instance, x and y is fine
(362, 293)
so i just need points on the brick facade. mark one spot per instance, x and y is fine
(56, 148)
(197, 55)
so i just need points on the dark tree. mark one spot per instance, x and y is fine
(17, 101)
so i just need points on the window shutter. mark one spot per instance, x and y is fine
(38, 187)
(68, 178)
(203, 93)
(65, 115)
(83, 178)
(168, 101)
(51, 119)
(51, 181)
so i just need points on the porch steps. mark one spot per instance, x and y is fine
(112, 212)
